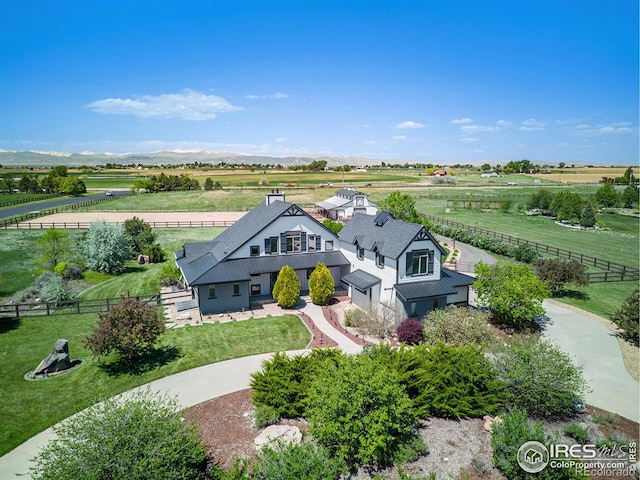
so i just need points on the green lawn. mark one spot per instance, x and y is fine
(600, 298)
(18, 252)
(28, 407)
(619, 244)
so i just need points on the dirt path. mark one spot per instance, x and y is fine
(72, 220)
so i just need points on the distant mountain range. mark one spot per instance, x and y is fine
(9, 158)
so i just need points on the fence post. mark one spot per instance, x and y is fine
(48, 313)
(78, 306)
(17, 311)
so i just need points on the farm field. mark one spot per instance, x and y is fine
(27, 408)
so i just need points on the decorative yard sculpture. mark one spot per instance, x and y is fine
(57, 361)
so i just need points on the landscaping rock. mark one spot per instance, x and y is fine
(286, 433)
(57, 360)
(488, 421)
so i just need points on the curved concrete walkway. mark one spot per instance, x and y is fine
(596, 349)
(584, 339)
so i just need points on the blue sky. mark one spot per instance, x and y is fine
(453, 81)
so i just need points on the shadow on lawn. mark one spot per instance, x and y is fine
(145, 362)
(570, 293)
(8, 324)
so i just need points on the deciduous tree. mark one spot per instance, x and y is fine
(106, 247)
(140, 232)
(129, 328)
(55, 246)
(513, 294)
(558, 273)
(402, 206)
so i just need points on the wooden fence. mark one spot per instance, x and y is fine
(81, 306)
(167, 224)
(14, 221)
(20, 201)
(613, 272)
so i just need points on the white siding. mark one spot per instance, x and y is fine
(461, 296)
(402, 262)
(281, 225)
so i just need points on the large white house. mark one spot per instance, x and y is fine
(380, 260)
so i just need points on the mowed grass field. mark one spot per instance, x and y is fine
(28, 407)
(19, 252)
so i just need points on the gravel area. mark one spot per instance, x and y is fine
(457, 449)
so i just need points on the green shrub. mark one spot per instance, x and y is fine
(507, 437)
(137, 436)
(321, 285)
(606, 418)
(60, 268)
(361, 413)
(286, 290)
(72, 272)
(450, 382)
(541, 379)
(577, 432)
(587, 216)
(55, 290)
(335, 227)
(524, 253)
(283, 381)
(457, 326)
(627, 317)
(295, 462)
(155, 252)
(106, 247)
(264, 416)
(170, 276)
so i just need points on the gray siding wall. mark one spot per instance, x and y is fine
(225, 300)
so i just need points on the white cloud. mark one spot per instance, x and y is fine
(272, 96)
(531, 125)
(503, 123)
(281, 140)
(400, 137)
(409, 124)
(187, 105)
(585, 130)
(478, 129)
(469, 140)
(459, 121)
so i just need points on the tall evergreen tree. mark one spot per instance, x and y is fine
(321, 285)
(587, 216)
(286, 290)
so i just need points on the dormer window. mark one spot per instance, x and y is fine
(379, 260)
(360, 253)
(359, 201)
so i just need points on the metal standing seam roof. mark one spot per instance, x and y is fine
(361, 279)
(241, 269)
(333, 202)
(434, 288)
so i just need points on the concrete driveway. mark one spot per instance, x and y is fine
(596, 349)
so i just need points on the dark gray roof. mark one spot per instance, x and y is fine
(196, 259)
(445, 286)
(349, 192)
(390, 238)
(241, 269)
(361, 279)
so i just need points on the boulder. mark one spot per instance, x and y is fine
(273, 433)
(56, 361)
(488, 422)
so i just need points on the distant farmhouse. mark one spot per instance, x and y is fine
(345, 203)
(378, 260)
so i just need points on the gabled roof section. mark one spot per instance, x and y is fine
(196, 259)
(390, 238)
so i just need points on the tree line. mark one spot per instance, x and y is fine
(56, 181)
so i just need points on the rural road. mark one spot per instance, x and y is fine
(31, 207)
